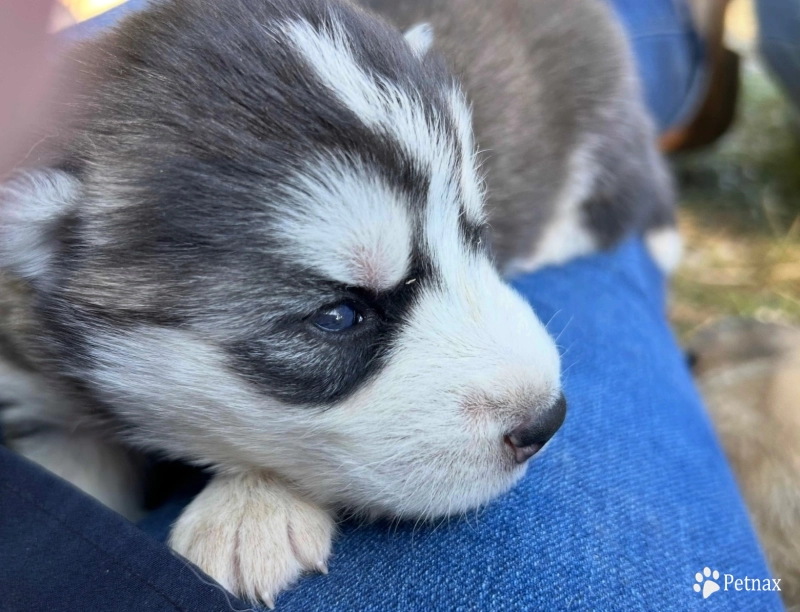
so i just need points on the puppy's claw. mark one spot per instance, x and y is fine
(322, 568)
(268, 601)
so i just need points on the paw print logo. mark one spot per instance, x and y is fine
(705, 582)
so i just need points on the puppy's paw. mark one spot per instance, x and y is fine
(253, 535)
(666, 248)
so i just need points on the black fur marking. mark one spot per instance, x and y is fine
(299, 364)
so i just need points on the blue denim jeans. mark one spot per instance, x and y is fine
(632, 499)
(669, 55)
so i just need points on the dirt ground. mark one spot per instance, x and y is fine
(740, 206)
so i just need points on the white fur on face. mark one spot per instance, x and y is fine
(426, 436)
(472, 363)
(347, 225)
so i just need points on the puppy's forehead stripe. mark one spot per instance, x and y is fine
(349, 225)
(422, 131)
(472, 186)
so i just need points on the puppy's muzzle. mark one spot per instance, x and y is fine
(528, 438)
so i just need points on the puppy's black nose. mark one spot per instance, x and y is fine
(529, 438)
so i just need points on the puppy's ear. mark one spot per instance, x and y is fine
(420, 38)
(32, 203)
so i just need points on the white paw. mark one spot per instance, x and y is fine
(666, 248)
(253, 535)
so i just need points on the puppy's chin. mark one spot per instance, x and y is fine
(439, 503)
(414, 491)
(431, 503)
(421, 486)
(414, 483)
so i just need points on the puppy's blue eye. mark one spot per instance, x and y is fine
(337, 318)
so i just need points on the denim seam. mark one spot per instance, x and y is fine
(81, 536)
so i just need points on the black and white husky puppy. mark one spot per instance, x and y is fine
(260, 241)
